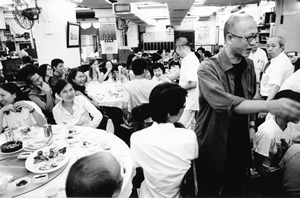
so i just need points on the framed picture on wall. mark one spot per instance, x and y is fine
(73, 35)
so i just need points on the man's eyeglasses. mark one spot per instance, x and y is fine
(247, 38)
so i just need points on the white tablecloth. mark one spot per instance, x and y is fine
(108, 94)
(118, 148)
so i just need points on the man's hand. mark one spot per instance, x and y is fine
(285, 108)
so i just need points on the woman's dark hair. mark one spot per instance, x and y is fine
(166, 98)
(207, 54)
(60, 85)
(150, 69)
(14, 89)
(129, 61)
(76, 87)
(92, 61)
(104, 70)
(42, 71)
(159, 65)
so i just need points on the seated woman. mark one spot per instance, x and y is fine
(17, 110)
(162, 150)
(159, 73)
(76, 110)
(46, 72)
(93, 74)
(78, 79)
(41, 94)
(107, 71)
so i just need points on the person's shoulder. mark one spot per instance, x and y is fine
(268, 128)
(186, 132)
(80, 98)
(30, 102)
(208, 64)
(57, 106)
(140, 135)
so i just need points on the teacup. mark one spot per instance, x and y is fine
(52, 192)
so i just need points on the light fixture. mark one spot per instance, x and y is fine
(96, 25)
(85, 25)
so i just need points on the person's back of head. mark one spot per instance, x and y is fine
(96, 175)
(160, 51)
(25, 71)
(55, 62)
(138, 66)
(201, 49)
(207, 54)
(145, 55)
(166, 100)
(27, 60)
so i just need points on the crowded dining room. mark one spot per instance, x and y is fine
(149, 98)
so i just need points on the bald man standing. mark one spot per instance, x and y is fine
(227, 83)
(188, 81)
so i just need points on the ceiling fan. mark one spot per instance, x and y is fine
(25, 15)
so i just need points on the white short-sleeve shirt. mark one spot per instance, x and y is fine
(259, 59)
(137, 91)
(165, 153)
(188, 72)
(268, 143)
(278, 71)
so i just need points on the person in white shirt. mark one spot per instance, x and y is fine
(74, 110)
(279, 69)
(136, 91)
(259, 58)
(293, 83)
(277, 72)
(23, 52)
(189, 81)
(17, 110)
(272, 139)
(163, 151)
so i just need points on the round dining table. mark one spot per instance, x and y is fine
(101, 141)
(108, 93)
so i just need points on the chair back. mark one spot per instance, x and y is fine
(189, 184)
(11, 68)
(139, 114)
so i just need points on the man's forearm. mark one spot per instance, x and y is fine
(251, 106)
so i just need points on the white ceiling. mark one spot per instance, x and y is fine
(173, 10)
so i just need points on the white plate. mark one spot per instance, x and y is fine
(27, 179)
(35, 144)
(12, 152)
(30, 166)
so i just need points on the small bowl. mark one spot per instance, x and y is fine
(22, 182)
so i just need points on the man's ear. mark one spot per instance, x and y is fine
(228, 38)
